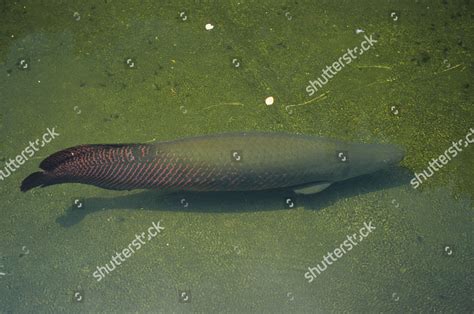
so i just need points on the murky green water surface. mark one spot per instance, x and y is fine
(238, 252)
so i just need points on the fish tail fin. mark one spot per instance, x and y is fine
(49, 164)
(35, 179)
(60, 157)
(63, 166)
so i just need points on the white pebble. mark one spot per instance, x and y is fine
(269, 101)
(209, 26)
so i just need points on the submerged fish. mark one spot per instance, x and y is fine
(222, 162)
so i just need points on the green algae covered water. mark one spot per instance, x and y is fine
(92, 72)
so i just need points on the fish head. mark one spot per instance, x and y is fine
(367, 158)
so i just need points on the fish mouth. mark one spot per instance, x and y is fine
(368, 158)
(398, 155)
(401, 154)
(393, 155)
(381, 155)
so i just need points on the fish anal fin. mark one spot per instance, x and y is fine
(311, 188)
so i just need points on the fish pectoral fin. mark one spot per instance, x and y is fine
(312, 188)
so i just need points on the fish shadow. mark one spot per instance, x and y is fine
(225, 202)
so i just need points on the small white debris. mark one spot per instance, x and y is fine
(269, 101)
(359, 31)
(209, 26)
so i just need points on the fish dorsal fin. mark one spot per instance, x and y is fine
(311, 188)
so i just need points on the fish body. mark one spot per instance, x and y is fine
(222, 162)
